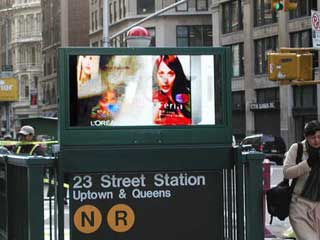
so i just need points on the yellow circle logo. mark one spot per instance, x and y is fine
(120, 218)
(87, 219)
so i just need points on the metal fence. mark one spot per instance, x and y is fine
(22, 199)
(243, 198)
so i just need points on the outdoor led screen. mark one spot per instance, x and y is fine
(144, 90)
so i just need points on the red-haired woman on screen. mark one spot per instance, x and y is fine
(171, 95)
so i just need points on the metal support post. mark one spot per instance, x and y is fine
(106, 13)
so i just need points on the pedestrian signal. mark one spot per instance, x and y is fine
(289, 66)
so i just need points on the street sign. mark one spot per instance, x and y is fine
(315, 23)
(147, 205)
(9, 89)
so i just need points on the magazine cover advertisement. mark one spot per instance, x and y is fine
(133, 90)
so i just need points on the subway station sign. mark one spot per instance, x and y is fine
(9, 89)
(147, 205)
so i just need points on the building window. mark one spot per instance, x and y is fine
(304, 96)
(263, 14)
(237, 59)
(101, 17)
(232, 16)
(267, 95)
(145, 6)
(25, 86)
(303, 39)
(120, 9)
(115, 11)
(110, 13)
(92, 21)
(124, 8)
(182, 7)
(202, 5)
(262, 47)
(197, 35)
(303, 9)
(152, 31)
(95, 44)
(238, 101)
(96, 20)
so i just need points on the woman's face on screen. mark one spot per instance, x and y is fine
(166, 77)
(87, 63)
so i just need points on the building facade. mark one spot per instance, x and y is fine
(26, 43)
(5, 62)
(188, 24)
(252, 30)
(65, 23)
(21, 54)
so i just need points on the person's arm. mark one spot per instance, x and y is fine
(290, 168)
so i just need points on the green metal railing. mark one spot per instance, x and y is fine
(22, 196)
(243, 206)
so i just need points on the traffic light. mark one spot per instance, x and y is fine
(289, 66)
(276, 5)
(289, 6)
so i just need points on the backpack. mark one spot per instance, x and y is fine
(279, 197)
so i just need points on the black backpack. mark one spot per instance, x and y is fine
(279, 197)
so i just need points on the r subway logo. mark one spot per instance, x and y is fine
(88, 218)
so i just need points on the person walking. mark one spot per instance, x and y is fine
(27, 147)
(304, 215)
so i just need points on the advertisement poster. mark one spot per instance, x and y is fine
(9, 89)
(133, 90)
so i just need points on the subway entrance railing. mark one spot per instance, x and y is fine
(28, 203)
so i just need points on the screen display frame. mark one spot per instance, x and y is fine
(219, 133)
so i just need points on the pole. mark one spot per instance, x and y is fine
(105, 37)
(148, 17)
(7, 104)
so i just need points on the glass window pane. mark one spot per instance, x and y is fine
(258, 53)
(207, 35)
(308, 96)
(267, 12)
(235, 17)
(257, 13)
(182, 7)
(182, 42)
(235, 60)
(294, 40)
(195, 36)
(152, 32)
(202, 5)
(226, 18)
(145, 6)
(305, 39)
(182, 31)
